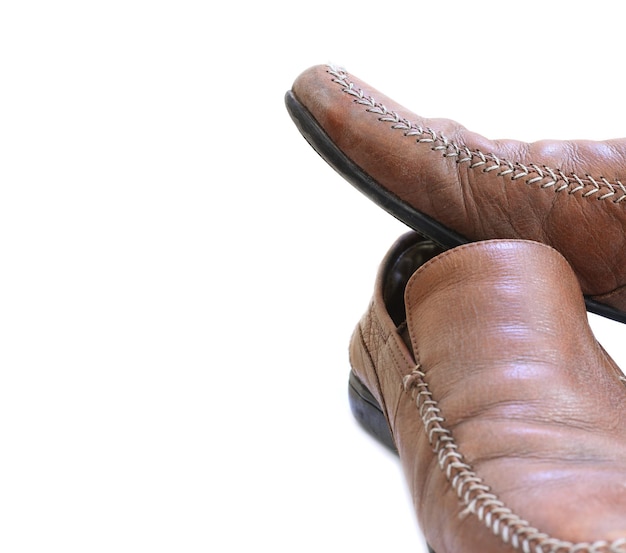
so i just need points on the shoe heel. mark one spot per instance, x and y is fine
(368, 413)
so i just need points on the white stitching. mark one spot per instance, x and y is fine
(476, 495)
(475, 158)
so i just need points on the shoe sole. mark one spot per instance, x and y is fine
(316, 136)
(370, 416)
(368, 413)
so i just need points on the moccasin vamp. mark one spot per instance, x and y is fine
(506, 413)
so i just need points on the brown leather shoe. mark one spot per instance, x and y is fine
(509, 418)
(456, 186)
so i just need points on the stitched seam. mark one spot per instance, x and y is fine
(476, 495)
(533, 174)
(400, 366)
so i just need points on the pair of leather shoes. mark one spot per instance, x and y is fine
(475, 360)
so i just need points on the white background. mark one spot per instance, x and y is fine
(180, 272)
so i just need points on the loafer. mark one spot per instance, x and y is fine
(477, 364)
(456, 186)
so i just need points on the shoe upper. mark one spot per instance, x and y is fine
(567, 194)
(508, 416)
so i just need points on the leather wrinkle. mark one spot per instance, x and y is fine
(383, 405)
(507, 408)
(612, 293)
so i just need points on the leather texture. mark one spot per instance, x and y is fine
(566, 194)
(508, 416)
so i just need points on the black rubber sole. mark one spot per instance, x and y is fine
(370, 416)
(429, 227)
(368, 413)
